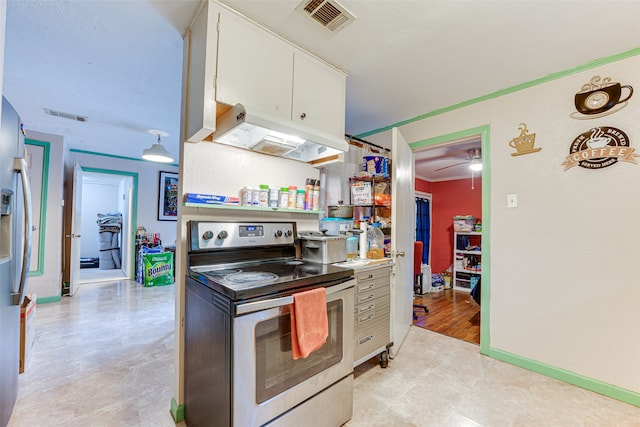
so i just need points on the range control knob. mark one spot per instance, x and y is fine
(223, 235)
(278, 233)
(208, 235)
(288, 233)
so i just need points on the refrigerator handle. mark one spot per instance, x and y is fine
(20, 166)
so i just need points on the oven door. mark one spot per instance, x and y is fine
(267, 382)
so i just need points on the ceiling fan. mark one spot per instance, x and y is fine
(475, 161)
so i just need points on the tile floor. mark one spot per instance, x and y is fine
(105, 358)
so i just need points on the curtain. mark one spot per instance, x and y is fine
(423, 226)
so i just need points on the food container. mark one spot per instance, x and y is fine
(340, 211)
(318, 247)
(464, 223)
(376, 165)
(335, 226)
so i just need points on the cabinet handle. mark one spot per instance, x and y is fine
(365, 339)
(303, 116)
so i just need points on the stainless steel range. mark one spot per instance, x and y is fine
(238, 368)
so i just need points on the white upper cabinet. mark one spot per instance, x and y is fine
(318, 95)
(232, 60)
(254, 67)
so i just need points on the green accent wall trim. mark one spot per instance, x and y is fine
(46, 300)
(596, 386)
(177, 411)
(484, 132)
(134, 208)
(113, 156)
(535, 82)
(42, 226)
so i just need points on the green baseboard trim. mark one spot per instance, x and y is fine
(177, 411)
(46, 300)
(596, 386)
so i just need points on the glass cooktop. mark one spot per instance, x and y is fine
(248, 280)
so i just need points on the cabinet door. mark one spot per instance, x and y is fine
(318, 95)
(255, 68)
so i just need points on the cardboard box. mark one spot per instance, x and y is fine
(27, 330)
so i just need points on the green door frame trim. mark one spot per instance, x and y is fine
(484, 132)
(134, 208)
(42, 226)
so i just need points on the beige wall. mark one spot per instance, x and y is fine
(564, 263)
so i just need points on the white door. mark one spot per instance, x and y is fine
(76, 226)
(402, 237)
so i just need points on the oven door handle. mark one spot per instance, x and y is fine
(252, 307)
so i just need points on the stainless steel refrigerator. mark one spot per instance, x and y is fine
(15, 251)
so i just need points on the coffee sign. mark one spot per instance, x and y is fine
(524, 144)
(598, 148)
(600, 97)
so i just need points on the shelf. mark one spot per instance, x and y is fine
(469, 233)
(462, 270)
(461, 251)
(250, 208)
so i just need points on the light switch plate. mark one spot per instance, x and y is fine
(512, 200)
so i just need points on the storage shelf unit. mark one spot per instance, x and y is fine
(375, 203)
(467, 259)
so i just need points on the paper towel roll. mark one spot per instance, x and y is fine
(363, 240)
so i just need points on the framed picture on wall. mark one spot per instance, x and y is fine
(168, 196)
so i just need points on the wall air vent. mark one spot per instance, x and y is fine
(74, 117)
(328, 13)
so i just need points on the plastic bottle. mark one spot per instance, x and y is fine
(255, 197)
(264, 196)
(274, 197)
(308, 194)
(283, 198)
(245, 196)
(375, 241)
(300, 197)
(315, 199)
(293, 192)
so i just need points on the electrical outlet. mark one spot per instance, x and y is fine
(512, 200)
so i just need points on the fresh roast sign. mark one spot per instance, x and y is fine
(599, 148)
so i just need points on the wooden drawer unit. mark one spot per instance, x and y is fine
(372, 324)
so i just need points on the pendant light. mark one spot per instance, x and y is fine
(157, 152)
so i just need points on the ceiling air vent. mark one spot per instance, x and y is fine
(65, 115)
(328, 13)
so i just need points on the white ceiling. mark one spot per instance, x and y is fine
(119, 62)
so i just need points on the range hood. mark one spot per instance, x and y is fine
(245, 127)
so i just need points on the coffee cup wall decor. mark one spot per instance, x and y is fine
(600, 97)
(524, 144)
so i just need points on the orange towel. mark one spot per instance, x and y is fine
(309, 323)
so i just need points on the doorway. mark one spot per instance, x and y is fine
(105, 224)
(444, 176)
(98, 184)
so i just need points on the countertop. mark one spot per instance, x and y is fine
(363, 264)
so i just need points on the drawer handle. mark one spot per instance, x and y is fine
(363, 309)
(365, 339)
(369, 317)
(371, 285)
(367, 298)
